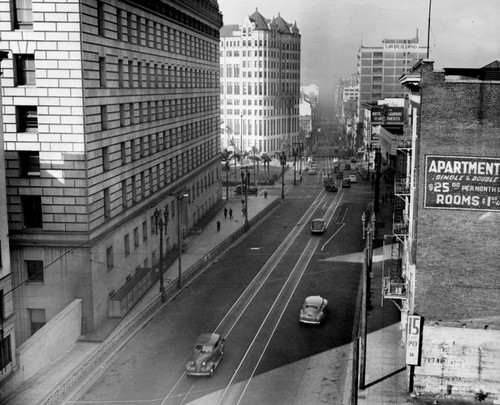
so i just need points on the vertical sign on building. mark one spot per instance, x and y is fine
(413, 340)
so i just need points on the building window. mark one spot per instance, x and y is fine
(107, 204)
(27, 119)
(32, 211)
(105, 159)
(100, 18)
(23, 14)
(37, 319)
(34, 271)
(110, 261)
(24, 70)
(126, 242)
(104, 117)
(102, 72)
(136, 238)
(5, 352)
(145, 231)
(29, 164)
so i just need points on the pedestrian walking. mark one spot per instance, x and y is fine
(265, 193)
(225, 212)
(230, 213)
(218, 226)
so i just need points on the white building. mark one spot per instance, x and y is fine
(260, 85)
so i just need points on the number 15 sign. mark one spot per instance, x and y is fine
(413, 340)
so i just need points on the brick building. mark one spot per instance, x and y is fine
(450, 224)
(110, 110)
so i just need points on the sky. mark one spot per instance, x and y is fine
(463, 33)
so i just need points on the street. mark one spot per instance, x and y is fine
(252, 296)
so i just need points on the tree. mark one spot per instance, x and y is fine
(266, 159)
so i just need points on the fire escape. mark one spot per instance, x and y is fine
(395, 282)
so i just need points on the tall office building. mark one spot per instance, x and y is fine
(380, 67)
(111, 111)
(260, 85)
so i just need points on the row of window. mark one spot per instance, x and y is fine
(131, 113)
(138, 30)
(259, 89)
(151, 111)
(259, 127)
(136, 74)
(259, 42)
(230, 70)
(265, 53)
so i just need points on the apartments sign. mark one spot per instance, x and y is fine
(470, 183)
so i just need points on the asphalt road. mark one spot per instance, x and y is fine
(252, 296)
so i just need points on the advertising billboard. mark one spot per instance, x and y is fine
(387, 115)
(459, 182)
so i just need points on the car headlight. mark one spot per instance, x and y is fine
(204, 363)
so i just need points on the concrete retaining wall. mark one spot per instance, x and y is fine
(46, 345)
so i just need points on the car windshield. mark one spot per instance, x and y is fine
(312, 306)
(317, 224)
(203, 348)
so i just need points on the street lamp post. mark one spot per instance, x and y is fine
(294, 152)
(282, 157)
(160, 224)
(245, 177)
(368, 235)
(179, 242)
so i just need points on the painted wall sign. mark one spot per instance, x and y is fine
(400, 47)
(457, 182)
(413, 340)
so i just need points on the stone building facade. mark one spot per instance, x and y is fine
(111, 110)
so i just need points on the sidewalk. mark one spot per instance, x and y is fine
(386, 375)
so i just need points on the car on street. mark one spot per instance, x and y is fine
(340, 175)
(207, 354)
(313, 310)
(312, 171)
(318, 225)
(353, 178)
(346, 182)
(239, 190)
(347, 166)
(331, 187)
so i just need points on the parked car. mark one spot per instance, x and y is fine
(346, 183)
(331, 187)
(318, 225)
(312, 171)
(313, 310)
(207, 354)
(347, 166)
(251, 190)
(353, 178)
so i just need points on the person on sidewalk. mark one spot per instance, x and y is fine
(225, 212)
(218, 225)
(265, 193)
(230, 213)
